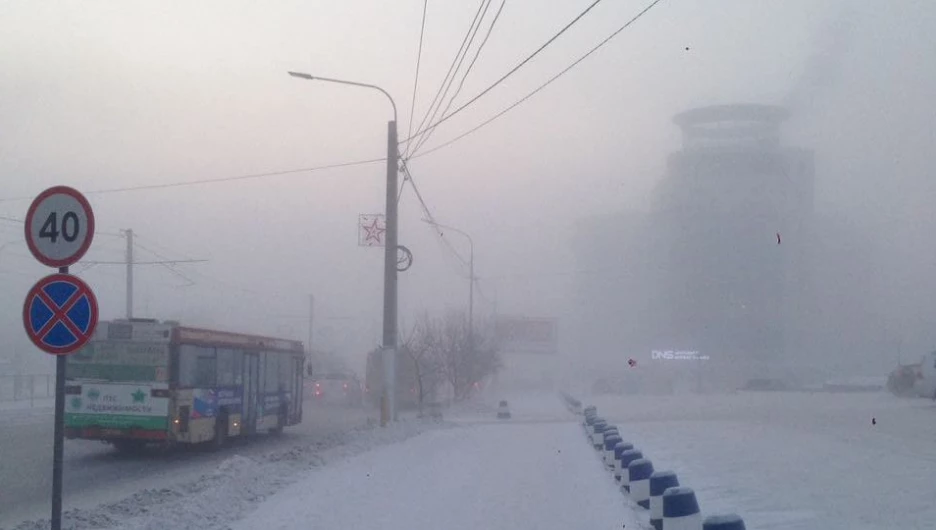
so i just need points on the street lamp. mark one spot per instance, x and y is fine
(471, 275)
(390, 250)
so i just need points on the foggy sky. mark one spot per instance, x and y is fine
(113, 94)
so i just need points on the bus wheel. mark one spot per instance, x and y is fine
(128, 447)
(220, 432)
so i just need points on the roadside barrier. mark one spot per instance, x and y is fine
(598, 436)
(723, 522)
(610, 441)
(659, 482)
(626, 458)
(618, 451)
(639, 472)
(587, 420)
(680, 509)
(671, 506)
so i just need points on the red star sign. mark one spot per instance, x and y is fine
(373, 232)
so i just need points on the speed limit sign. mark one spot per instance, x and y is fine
(59, 226)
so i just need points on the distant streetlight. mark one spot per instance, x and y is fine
(390, 250)
(471, 274)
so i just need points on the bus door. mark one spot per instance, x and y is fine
(251, 392)
(297, 389)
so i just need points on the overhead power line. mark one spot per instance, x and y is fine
(220, 179)
(425, 138)
(422, 31)
(160, 262)
(431, 218)
(435, 98)
(20, 222)
(509, 73)
(168, 263)
(475, 27)
(544, 85)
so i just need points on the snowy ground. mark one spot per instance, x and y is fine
(94, 473)
(26, 404)
(534, 471)
(782, 460)
(793, 460)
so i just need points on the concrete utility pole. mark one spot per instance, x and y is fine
(390, 252)
(311, 322)
(129, 233)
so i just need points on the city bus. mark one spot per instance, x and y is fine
(141, 381)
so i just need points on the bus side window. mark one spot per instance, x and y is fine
(226, 368)
(285, 372)
(238, 367)
(271, 372)
(196, 366)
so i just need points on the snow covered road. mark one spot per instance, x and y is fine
(95, 473)
(511, 475)
(785, 461)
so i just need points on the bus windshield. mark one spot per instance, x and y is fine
(120, 362)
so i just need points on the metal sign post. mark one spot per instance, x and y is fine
(60, 312)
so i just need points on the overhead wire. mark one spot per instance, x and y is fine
(169, 266)
(21, 221)
(507, 75)
(435, 99)
(425, 138)
(422, 31)
(542, 86)
(432, 221)
(215, 279)
(220, 179)
(461, 59)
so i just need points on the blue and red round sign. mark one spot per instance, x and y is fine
(60, 314)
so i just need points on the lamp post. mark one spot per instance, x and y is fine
(390, 250)
(471, 274)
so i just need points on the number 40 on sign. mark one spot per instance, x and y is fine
(59, 226)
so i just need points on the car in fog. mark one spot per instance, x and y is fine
(927, 383)
(335, 389)
(765, 384)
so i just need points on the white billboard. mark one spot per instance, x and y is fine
(527, 334)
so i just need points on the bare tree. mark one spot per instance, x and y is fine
(466, 357)
(421, 347)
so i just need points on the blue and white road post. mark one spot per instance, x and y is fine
(598, 437)
(723, 522)
(627, 457)
(610, 441)
(618, 451)
(680, 509)
(659, 482)
(639, 472)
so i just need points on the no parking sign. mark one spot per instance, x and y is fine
(60, 314)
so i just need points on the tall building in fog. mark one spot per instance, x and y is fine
(719, 262)
(730, 197)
